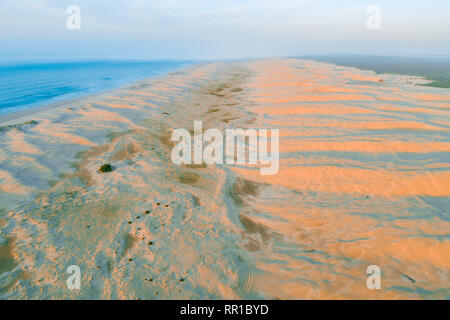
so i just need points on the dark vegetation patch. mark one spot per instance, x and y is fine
(19, 126)
(106, 168)
(435, 69)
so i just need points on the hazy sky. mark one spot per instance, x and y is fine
(212, 29)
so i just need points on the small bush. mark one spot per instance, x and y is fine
(106, 168)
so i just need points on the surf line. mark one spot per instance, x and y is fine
(208, 147)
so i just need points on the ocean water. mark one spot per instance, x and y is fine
(24, 86)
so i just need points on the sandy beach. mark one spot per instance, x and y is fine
(364, 179)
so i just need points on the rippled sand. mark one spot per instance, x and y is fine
(364, 180)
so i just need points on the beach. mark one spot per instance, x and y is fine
(364, 179)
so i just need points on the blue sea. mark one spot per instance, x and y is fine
(29, 85)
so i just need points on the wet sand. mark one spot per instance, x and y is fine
(363, 180)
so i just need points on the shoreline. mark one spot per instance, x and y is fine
(25, 115)
(399, 79)
(7, 119)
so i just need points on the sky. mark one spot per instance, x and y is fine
(221, 29)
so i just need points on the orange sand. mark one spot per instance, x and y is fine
(364, 179)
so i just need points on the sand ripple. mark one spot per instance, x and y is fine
(364, 179)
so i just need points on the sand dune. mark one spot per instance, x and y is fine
(364, 179)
